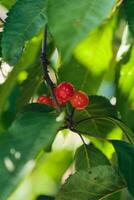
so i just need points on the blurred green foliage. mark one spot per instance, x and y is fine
(90, 44)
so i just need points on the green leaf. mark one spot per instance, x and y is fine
(25, 19)
(28, 59)
(126, 130)
(80, 76)
(95, 51)
(93, 185)
(43, 197)
(33, 130)
(33, 81)
(98, 108)
(89, 157)
(125, 153)
(8, 3)
(129, 8)
(75, 20)
(125, 98)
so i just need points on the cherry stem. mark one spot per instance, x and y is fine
(91, 135)
(45, 63)
(85, 148)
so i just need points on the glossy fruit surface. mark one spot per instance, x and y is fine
(45, 100)
(64, 92)
(80, 100)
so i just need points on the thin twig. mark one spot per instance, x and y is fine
(91, 135)
(108, 118)
(46, 76)
(86, 152)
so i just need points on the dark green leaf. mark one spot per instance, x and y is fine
(129, 11)
(89, 157)
(93, 185)
(98, 108)
(75, 20)
(43, 197)
(32, 131)
(125, 153)
(25, 19)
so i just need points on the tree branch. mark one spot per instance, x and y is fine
(46, 76)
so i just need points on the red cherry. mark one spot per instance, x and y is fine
(45, 100)
(80, 100)
(64, 92)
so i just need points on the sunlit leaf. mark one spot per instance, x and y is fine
(125, 98)
(33, 80)
(80, 76)
(75, 21)
(95, 51)
(8, 3)
(28, 59)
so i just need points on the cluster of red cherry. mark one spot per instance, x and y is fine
(64, 93)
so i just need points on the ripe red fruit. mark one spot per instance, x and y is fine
(64, 92)
(80, 100)
(45, 100)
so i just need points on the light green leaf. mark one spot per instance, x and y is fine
(88, 157)
(8, 3)
(30, 85)
(93, 185)
(125, 153)
(33, 130)
(25, 20)
(124, 96)
(28, 59)
(75, 20)
(80, 76)
(95, 51)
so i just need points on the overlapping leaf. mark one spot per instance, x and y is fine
(86, 158)
(98, 107)
(129, 11)
(125, 153)
(33, 130)
(25, 19)
(75, 20)
(92, 185)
